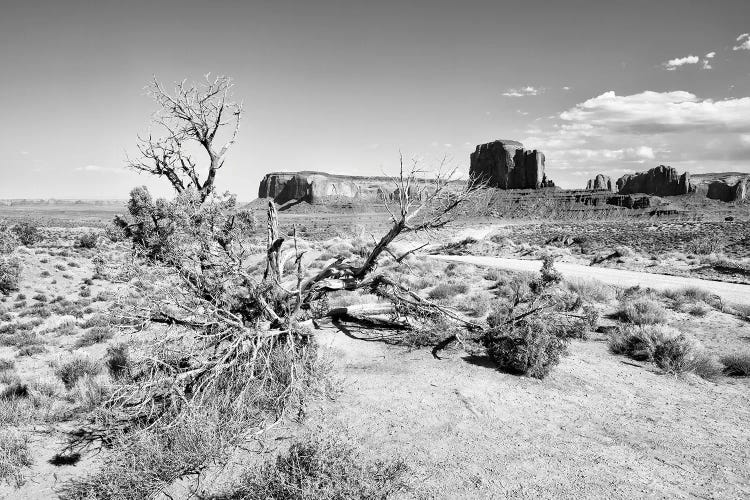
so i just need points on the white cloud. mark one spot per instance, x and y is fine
(522, 92)
(673, 64)
(744, 42)
(611, 133)
(566, 88)
(98, 168)
(710, 55)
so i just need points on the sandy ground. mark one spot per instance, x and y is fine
(731, 292)
(599, 425)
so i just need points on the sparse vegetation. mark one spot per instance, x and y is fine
(27, 233)
(74, 368)
(15, 456)
(10, 274)
(737, 365)
(322, 467)
(643, 311)
(86, 240)
(669, 349)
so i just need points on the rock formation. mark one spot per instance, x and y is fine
(319, 187)
(601, 182)
(723, 186)
(659, 181)
(505, 164)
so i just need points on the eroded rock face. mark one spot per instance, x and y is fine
(659, 181)
(723, 186)
(319, 187)
(601, 182)
(505, 164)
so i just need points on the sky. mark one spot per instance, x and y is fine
(344, 86)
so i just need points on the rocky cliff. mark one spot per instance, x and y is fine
(724, 186)
(319, 187)
(601, 182)
(659, 181)
(506, 164)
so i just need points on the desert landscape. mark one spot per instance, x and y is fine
(380, 263)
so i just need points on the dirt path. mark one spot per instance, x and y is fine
(731, 292)
(598, 426)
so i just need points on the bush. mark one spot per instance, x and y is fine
(8, 240)
(591, 290)
(640, 343)
(117, 361)
(447, 290)
(10, 274)
(86, 240)
(93, 336)
(737, 365)
(27, 233)
(14, 457)
(682, 354)
(324, 468)
(705, 245)
(670, 350)
(526, 347)
(75, 368)
(642, 311)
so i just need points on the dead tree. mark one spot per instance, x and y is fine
(193, 113)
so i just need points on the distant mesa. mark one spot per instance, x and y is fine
(724, 186)
(320, 187)
(601, 183)
(666, 181)
(506, 164)
(659, 181)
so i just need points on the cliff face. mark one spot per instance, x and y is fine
(659, 181)
(601, 182)
(724, 186)
(505, 164)
(319, 187)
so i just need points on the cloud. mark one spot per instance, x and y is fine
(673, 64)
(99, 168)
(744, 42)
(611, 133)
(522, 92)
(706, 63)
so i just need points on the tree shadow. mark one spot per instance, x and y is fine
(359, 329)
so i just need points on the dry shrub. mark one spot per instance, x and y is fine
(27, 233)
(446, 291)
(117, 361)
(477, 303)
(698, 310)
(322, 468)
(191, 435)
(705, 245)
(10, 274)
(93, 336)
(73, 369)
(86, 240)
(671, 350)
(737, 365)
(146, 462)
(427, 332)
(527, 347)
(14, 457)
(8, 240)
(643, 311)
(591, 290)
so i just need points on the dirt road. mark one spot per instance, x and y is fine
(730, 292)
